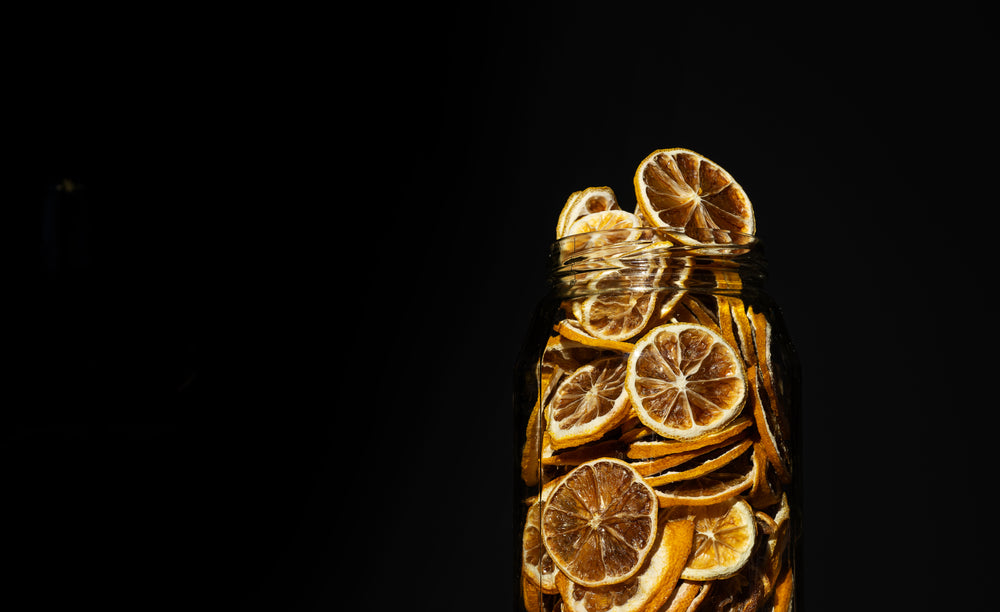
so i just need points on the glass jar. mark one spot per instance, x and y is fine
(656, 402)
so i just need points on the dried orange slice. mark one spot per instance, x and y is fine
(600, 523)
(687, 596)
(571, 329)
(681, 188)
(783, 591)
(724, 538)
(773, 433)
(603, 221)
(588, 403)
(531, 595)
(648, 449)
(648, 588)
(704, 463)
(685, 380)
(536, 564)
(712, 488)
(616, 312)
(581, 203)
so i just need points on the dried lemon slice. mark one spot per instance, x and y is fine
(648, 449)
(600, 522)
(536, 564)
(580, 203)
(571, 329)
(681, 188)
(723, 541)
(588, 403)
(712, 488)
(649, 588)
(685, 380)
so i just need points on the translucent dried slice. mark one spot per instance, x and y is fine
(589, 402)
(685, 380)
(701, 465)
(585, 202)
(572, 330)
(683, 189)
(600, 523)
(712, 488)
(645, 449)
(772, 399)
(687, 596)
(773, 431)
(724, 539)
(620, 309)
(536, 563)
(649, 587)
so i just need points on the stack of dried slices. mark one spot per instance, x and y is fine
(659, 442)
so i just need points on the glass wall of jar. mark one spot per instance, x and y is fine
(656, 404)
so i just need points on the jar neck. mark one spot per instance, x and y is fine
(647, 259)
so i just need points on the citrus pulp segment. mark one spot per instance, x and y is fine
(683, 189)
(600, 522)
(685, 380)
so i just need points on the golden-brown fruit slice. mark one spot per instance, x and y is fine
(687, 597)
(712, 488)
(724, 539)
(680, 188)
(649, 588)
(773, 433)
(618, 311)
(685, 380)
(600, 523)
(588, 403)
(705, 463)
(585, 202)
(536, 563)
(647, 449)
(571, 329)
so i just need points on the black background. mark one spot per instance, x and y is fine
(307, 247)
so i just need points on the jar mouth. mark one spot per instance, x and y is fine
(638, 257)
(643, 241)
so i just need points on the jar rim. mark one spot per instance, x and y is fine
(628, 242)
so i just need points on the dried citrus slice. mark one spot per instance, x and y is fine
(647, 449)
(603, 221)
(681, 188)
(536, 563)
(783, 591)
(687, 596)
(580, 203)
(600, 522)
(766, 488)
(702, 464)
(588, 403)
(723, 540)
(531, 595)
(571, 329)
(618, 311)
(712, 488)
(773, 433)
(685, 380)
(648, 588)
